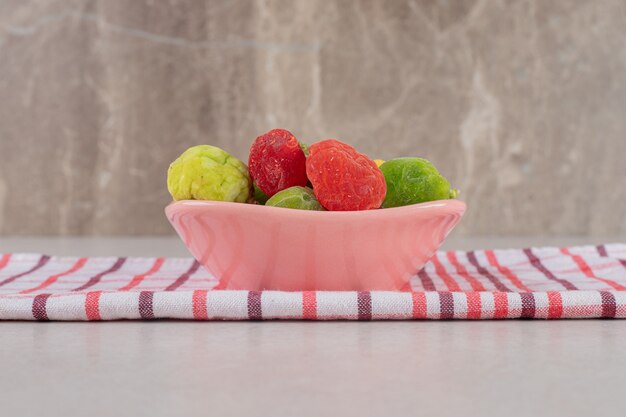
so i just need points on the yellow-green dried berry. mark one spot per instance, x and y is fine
(305, 148)
(413, 180)
(207, 172)
(296, 198)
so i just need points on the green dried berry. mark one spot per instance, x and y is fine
(297, 197)
(259, 196)
(413, 180)
(207, 172)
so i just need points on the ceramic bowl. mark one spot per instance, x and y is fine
(254, 247)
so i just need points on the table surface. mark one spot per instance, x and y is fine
(165, 368)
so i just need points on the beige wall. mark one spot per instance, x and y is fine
(522, 104)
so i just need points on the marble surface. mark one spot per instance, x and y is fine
(521, 104)
(238, 369)
(274, 369)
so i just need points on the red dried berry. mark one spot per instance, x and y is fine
(277, 162)
(344, 179)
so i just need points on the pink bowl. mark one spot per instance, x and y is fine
(255, 247)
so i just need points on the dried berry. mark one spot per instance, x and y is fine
(207, 172)
(344, 179)
(412, 181)
(277, 162)
(301, 198)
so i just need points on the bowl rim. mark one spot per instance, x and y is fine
(451, 206)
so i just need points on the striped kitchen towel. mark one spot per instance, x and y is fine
(540, 283)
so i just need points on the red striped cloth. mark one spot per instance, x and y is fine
(541, 283)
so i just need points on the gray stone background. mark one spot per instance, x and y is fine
(521, 104)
